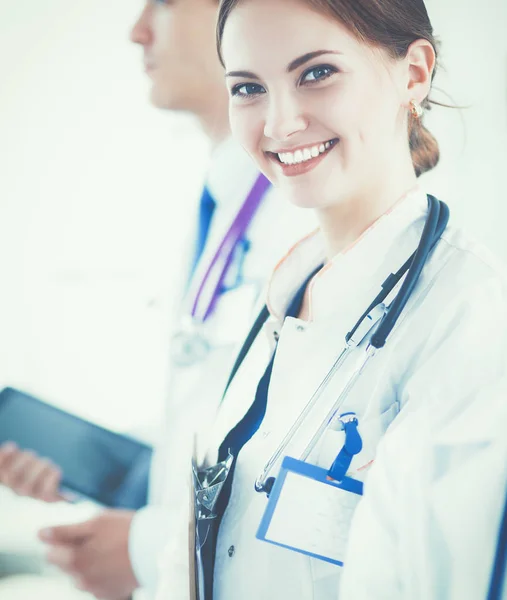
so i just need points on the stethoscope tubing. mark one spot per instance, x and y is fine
(438, 217)
(431, 234)
(261, 480)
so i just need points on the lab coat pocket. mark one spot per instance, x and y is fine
(326, 576)
(371, 431)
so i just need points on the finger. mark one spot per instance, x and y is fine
(63, 557)
(96, 587)
(27, 486)
(67, 534)
(68, 496)
(19, 470)
(47, 483)
(85, 584)
(7, 453)
(81, 584)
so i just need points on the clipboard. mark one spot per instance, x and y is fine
(192, 594)
(206, 485)
(309, 513)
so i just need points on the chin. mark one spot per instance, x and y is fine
(303, 194)
(164, 99)
(299, 198)
(157, 99)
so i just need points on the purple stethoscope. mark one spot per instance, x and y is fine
(189, 345)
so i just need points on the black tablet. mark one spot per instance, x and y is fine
(96, 463)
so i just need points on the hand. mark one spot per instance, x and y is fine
(95, 553)
(28, 475)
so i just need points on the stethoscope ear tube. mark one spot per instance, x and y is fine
(394, 278)
(435, 225)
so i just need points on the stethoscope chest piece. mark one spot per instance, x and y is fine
(208, 484)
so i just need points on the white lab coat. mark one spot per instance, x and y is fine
(432, 353)
(428, 524)
(194, 391)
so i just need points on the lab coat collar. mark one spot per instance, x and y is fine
(378, 247)
(231, 175)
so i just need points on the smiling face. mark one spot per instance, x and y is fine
(322, 114)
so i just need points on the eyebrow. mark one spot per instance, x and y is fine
(296, 63)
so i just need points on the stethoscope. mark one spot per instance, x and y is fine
(380, 317)
(189, 344)
(382, 314)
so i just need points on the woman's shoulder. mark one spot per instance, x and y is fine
(463, 287)
(469, 260)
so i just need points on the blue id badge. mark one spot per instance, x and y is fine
(310, 513)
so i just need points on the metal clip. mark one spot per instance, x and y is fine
(366, 325)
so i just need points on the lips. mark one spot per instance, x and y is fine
(303, 159)
(148, 62)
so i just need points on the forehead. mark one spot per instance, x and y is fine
(274, 32)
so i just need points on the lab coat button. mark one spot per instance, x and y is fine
(300, 328)
(231, 551)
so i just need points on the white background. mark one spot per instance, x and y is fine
(98, 189)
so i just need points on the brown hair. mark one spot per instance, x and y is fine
(389, 24)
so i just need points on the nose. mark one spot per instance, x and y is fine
(285, 118)
(141, 33)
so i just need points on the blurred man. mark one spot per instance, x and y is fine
(113, 554)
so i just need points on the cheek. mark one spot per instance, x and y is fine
(168, 39)
(368, 114)
(350, 114)
(349, 107)
(247, 127)
(334, 108)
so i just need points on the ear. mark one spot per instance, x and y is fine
(420, 61)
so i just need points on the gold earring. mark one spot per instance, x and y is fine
(416, 110)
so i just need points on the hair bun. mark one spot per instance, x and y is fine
(423, 147)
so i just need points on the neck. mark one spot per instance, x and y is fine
(342, 224)
(214, 121)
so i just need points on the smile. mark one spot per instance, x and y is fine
(303, 159)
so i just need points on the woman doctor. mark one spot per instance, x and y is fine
(328, 97)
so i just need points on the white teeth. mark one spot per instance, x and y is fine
(299, 156)
(286, 158)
